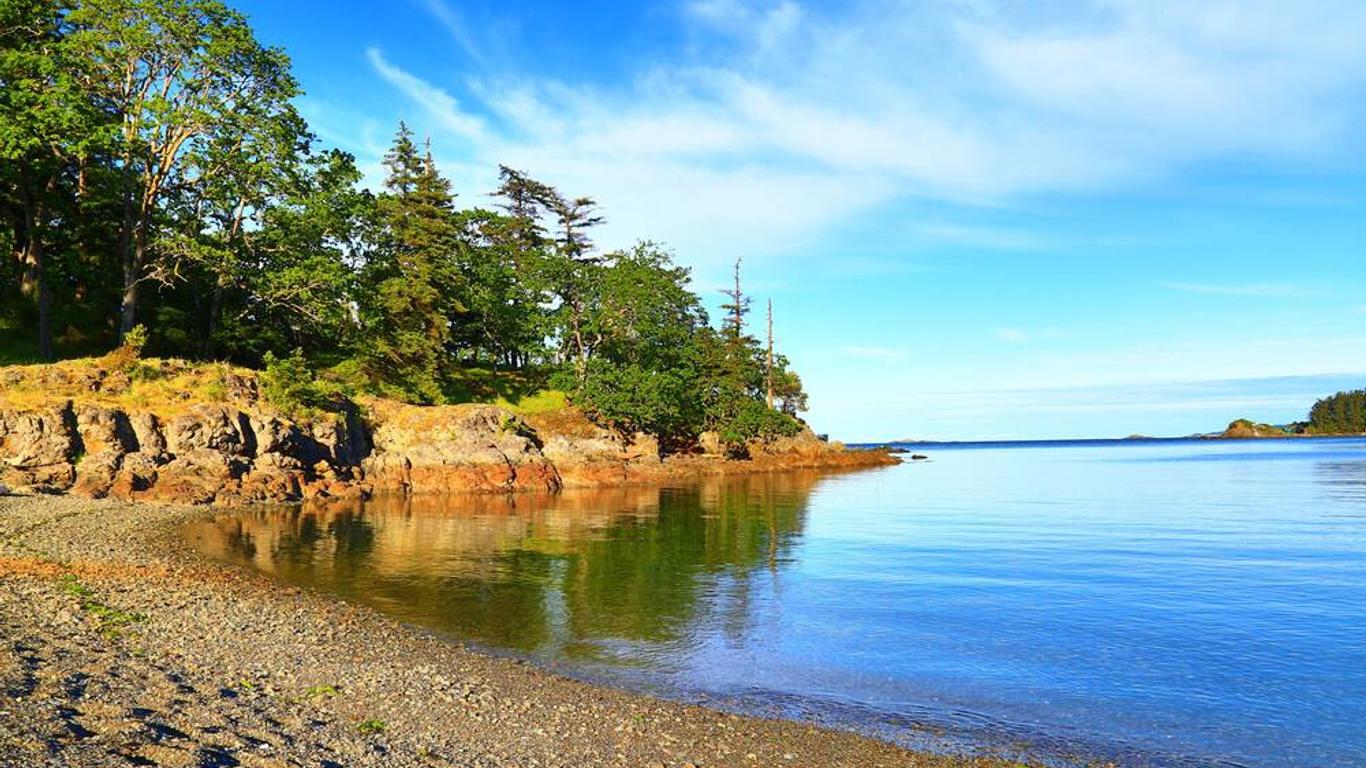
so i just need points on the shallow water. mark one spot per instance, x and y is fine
(1157, 602)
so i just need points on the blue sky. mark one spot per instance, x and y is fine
(976, 219)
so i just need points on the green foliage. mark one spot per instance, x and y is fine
(752, 420)
(632, 398)
(323, 691)
(412, 287)
(371, 727)
(125, 357)
(1343, 413)
(288, 384)
(110, 622)
(153, 168)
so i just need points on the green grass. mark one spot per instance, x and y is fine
(321, 691)
(484, 385)
(542, 401)
(372, 726)
(110, 622)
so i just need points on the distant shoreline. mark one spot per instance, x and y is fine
(1076, 440)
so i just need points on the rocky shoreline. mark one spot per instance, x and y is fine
(123, 647)
(237, 450)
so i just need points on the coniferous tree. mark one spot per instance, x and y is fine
(409, 312)
(735, 308)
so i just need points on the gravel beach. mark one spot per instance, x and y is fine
(121, 646)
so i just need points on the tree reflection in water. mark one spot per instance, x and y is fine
(614, 574)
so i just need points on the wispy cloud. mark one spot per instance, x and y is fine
(793, 122)
(989, 238)
(441, 107)
(1259, 290)
(1172, 408)
(456, 27)
(1022, 336)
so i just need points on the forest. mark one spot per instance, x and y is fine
(158, 186)
(1340, 414)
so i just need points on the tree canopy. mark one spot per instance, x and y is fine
(1343, 413)
(154, 171)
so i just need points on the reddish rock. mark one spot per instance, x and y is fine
(214, 453)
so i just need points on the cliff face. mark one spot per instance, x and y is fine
(208, 453)
(169, 430)
(227, 453)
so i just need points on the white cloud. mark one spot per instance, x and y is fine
(439, 105)
(796, 120)
(456, 27)
(1021, 336)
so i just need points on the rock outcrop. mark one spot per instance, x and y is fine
(232, 453)
(447, 449)
(1246, 428)
(208, 453)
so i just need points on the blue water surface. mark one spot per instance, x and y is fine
(1152, 602)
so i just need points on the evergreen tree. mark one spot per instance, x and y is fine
(409, 313)
(1340, 414)
(736, 307)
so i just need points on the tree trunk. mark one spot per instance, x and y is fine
(132, 274)
(129, 299)
(44, 299)
(768, 367)
(215, 314)
(23, 235)
(33, 284)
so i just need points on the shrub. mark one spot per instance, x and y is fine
(754, 420)
(125, 357)
(288, 384)
(630, 398)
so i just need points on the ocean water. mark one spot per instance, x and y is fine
(1163, 603)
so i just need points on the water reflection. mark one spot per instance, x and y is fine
(1170, 603)
(604, 575)
(1345, 480)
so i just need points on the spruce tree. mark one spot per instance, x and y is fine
(413, 298)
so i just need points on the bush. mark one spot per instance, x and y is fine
(288, 384)
(125, 357)
(754, 420)
(632, 399)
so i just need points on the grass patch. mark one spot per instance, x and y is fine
(371, 727)
(321, 691)
(164, 386)
(541, 401)
(485, 385)
(110, 621)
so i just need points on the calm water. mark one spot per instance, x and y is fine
(1159, 602)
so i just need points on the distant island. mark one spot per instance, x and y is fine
(1336, 415)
